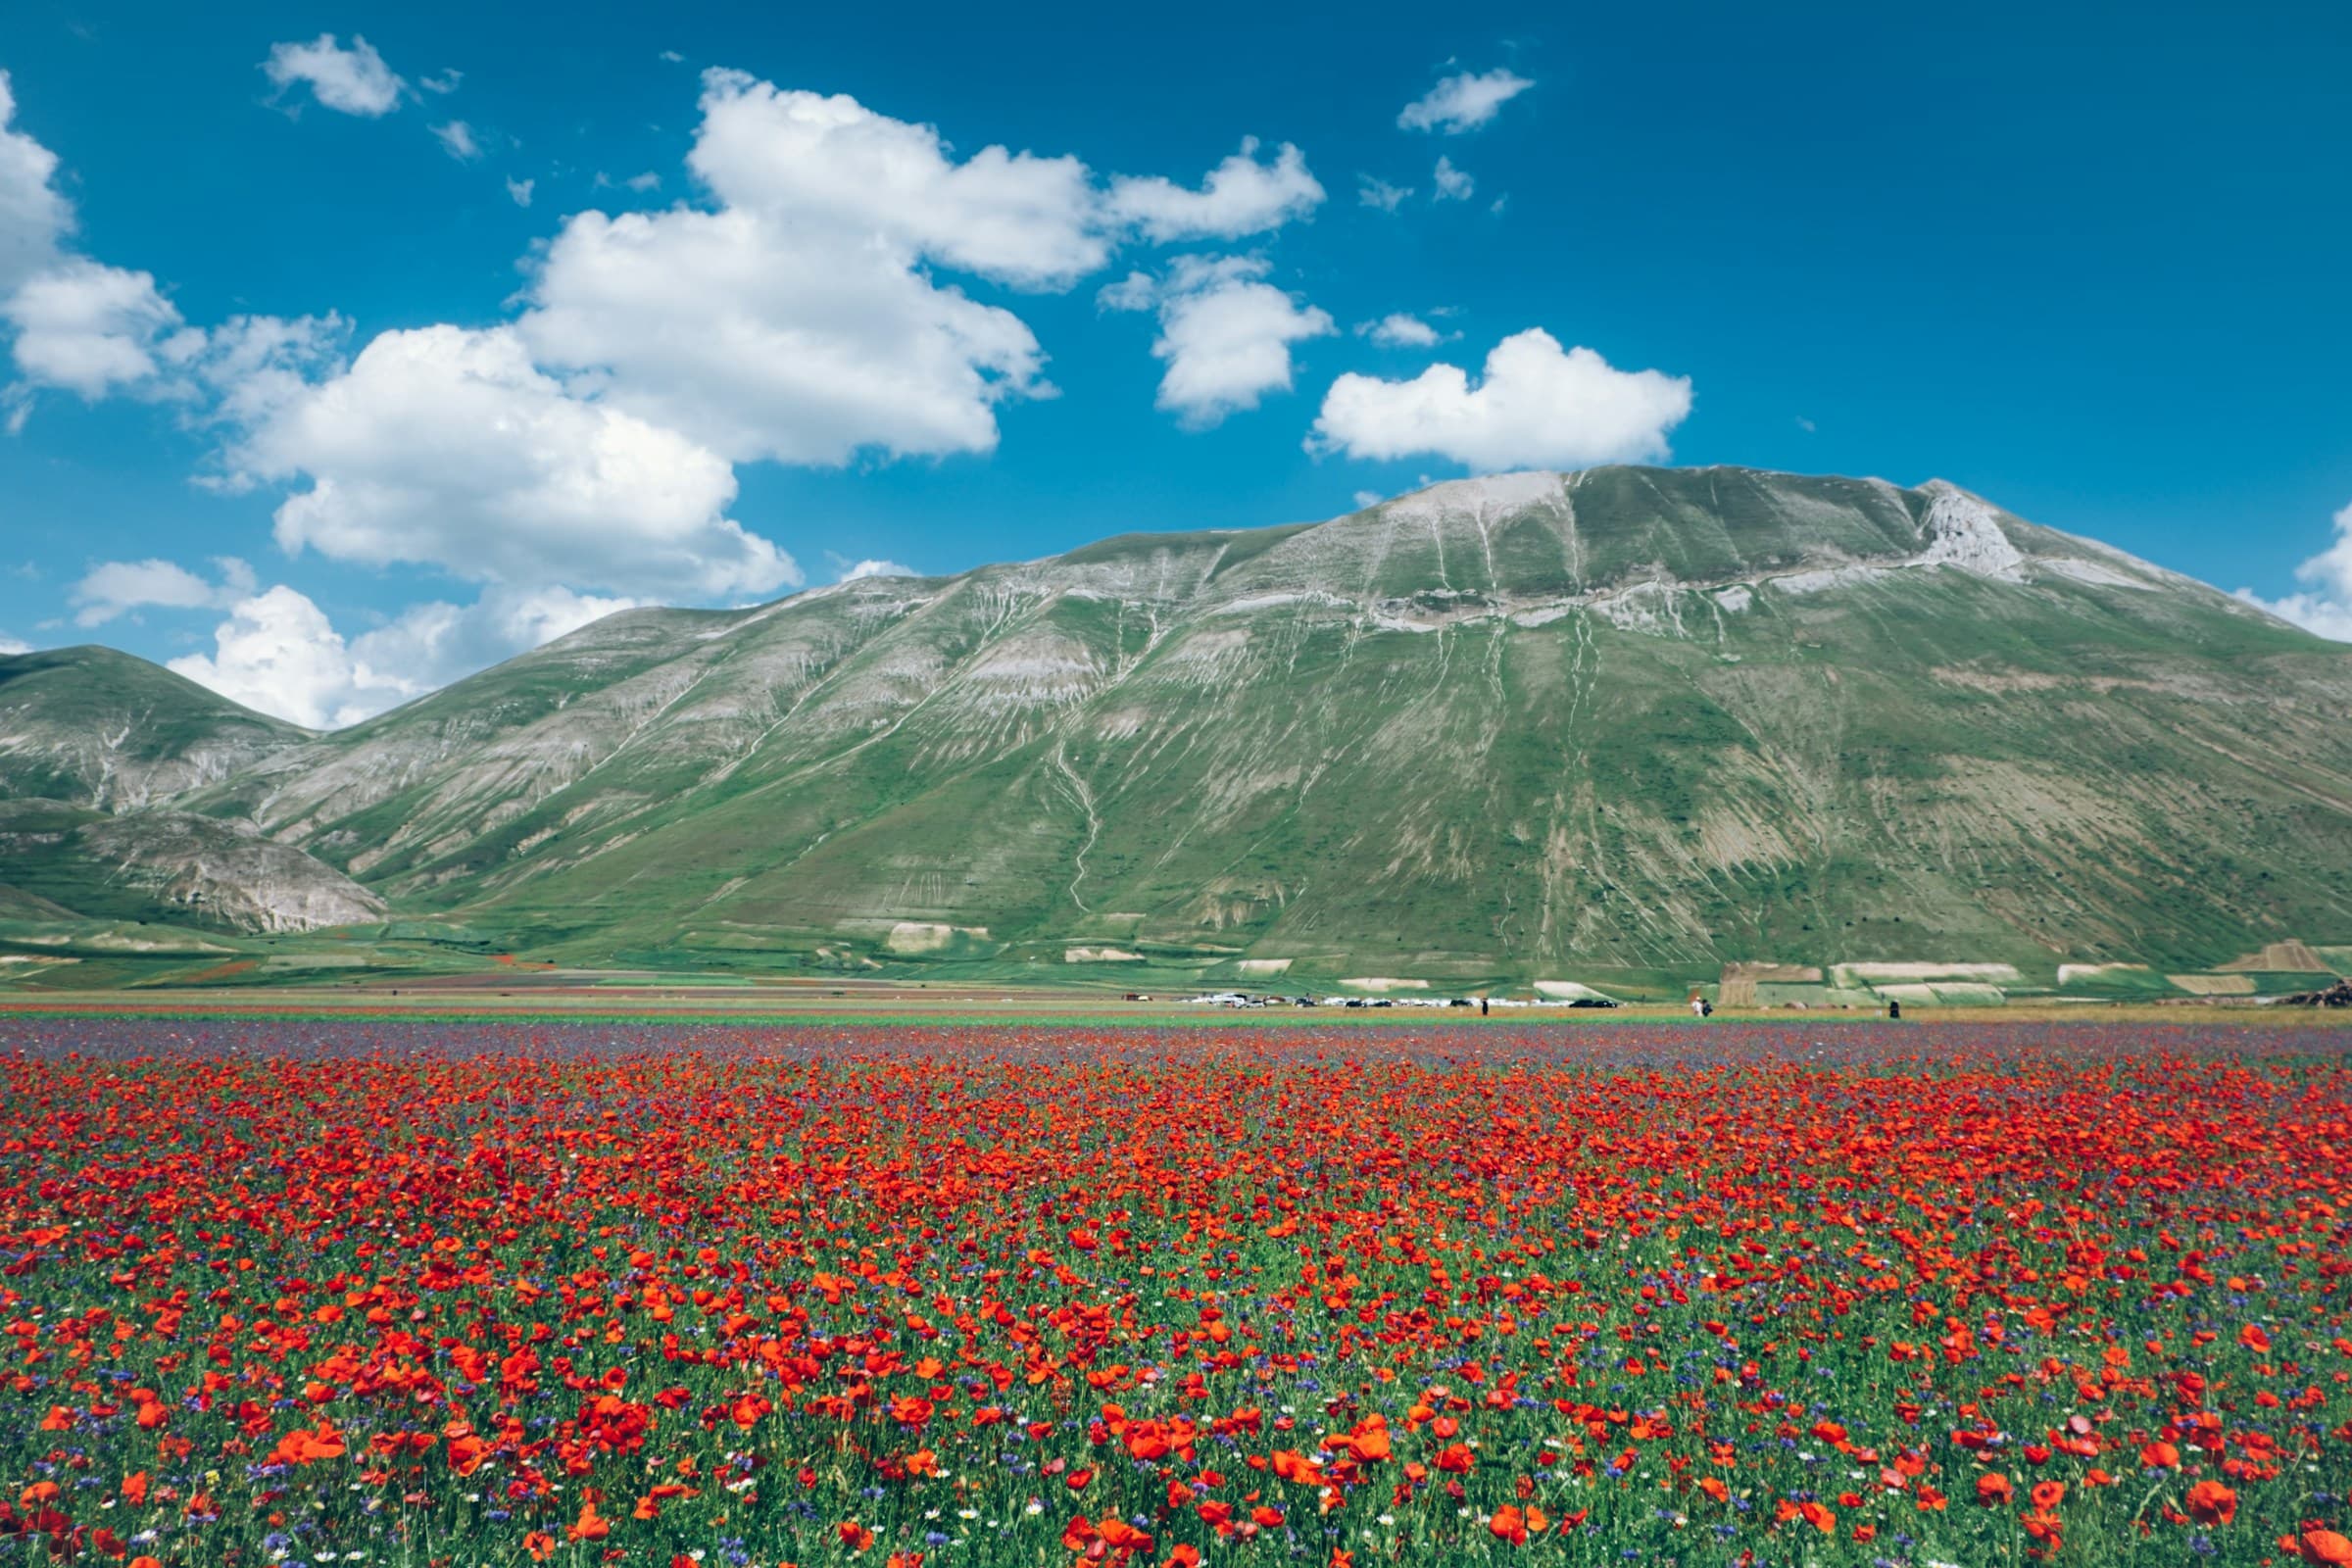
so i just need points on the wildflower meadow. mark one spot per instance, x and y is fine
(437, 1294)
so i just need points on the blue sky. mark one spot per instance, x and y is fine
(303, 395)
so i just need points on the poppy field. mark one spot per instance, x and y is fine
(446, 1295)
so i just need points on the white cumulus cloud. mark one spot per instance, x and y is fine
(72, 322)
(90, 329)
(447, 447)
(351, 81)
(33, 215)
(9, 647)
(1379, 194)
(764, 338)
(2326, 606)
(1463, 101)
(1241, 196)
(1536, 406)
(856, 569)
(1453, 185)
(520, 191)
(113, 588)
(279, 654)
(1225, 334)
(801, 321)
(830, 163)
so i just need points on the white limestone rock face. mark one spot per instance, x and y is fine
(225, 875)
(1492, 494)
(1963, 532)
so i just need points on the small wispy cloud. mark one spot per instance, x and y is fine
(457, 140)
(1402, 330)
(847, 570)
(350, 81)
(1463, 102)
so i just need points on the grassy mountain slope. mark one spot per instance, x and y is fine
(170, 867)
(92, 742)
(1648, 719)
(107, 730)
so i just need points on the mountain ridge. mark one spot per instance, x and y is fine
(1632, 718)
(68, 717)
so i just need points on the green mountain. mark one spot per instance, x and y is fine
(158, 865)
(92, 742)
(1628, 722)
(103, 729)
